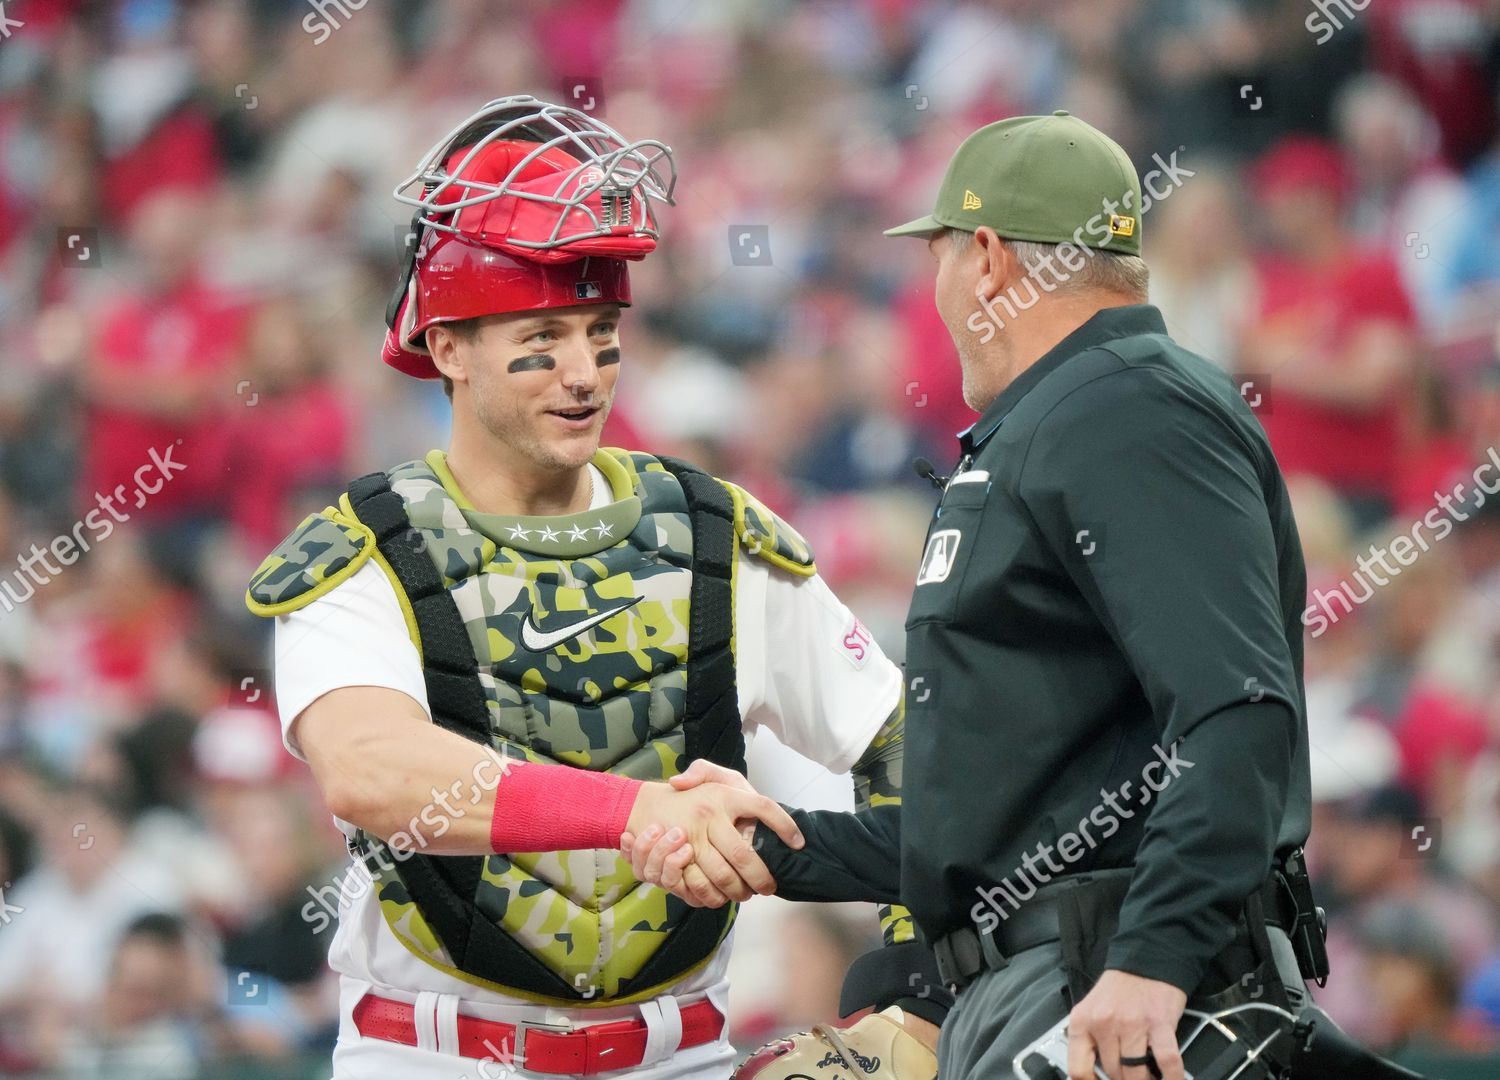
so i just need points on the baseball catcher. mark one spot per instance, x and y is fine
(493, 657)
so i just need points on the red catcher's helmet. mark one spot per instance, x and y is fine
(522, 206)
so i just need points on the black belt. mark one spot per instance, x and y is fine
(964, 953)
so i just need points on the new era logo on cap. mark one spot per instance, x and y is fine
(587, 290)
(971, 201)
(1121, 225)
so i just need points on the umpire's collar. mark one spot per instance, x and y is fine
(1106, 324)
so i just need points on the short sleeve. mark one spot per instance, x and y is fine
(353, 636)
(809, 669)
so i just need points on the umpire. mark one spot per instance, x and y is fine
(1107, 763)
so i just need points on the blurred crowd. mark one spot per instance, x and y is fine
(198, 241)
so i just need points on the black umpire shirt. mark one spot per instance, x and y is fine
(1104, 652)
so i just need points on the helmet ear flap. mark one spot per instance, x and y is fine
(414, 360)
(408, 268)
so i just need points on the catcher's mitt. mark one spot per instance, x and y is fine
(876, 1048)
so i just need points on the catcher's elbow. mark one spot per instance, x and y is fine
(348, 802)
(361, 801)
(359, 779)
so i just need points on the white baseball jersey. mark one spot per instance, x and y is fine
(806, 670)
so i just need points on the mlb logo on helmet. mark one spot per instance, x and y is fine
(587, 290)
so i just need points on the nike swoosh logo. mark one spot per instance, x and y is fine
(535, 639)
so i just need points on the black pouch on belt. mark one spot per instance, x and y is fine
(1088, 915)
(1291, 903)
(1243, 973)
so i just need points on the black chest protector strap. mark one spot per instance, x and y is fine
(445, 887)
(713, 728)
(449, 669)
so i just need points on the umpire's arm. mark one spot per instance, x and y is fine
(857, 857)
(1185, 578)
(847, 858)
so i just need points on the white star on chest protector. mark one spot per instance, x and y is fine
(575, 533)
(518, 533)
(604, 530)
(547, 533)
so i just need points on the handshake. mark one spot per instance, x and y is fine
(694, 835)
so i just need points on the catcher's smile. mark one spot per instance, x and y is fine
(577, 418)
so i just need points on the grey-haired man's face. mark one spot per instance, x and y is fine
(960, 266)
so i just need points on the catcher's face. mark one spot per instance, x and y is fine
(540, 383)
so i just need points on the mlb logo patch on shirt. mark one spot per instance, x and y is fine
(937, 560)
(857, 644)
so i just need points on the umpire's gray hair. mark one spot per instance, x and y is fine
(1107, 270)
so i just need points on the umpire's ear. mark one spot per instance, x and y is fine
(998, 266)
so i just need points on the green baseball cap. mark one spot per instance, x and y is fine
(1048, 179)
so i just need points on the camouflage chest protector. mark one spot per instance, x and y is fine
(643, 685)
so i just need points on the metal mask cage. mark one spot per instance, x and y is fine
(642, 170)
(1047, 1058)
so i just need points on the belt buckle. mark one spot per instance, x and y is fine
(518, 1051)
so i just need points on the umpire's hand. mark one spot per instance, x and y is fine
(1122, 1020)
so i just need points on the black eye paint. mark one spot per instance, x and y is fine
(534, 362)
(607, 356)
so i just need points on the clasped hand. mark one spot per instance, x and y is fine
(694, 836)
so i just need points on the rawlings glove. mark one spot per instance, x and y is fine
(876, 1048)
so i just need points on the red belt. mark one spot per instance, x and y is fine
(544, 1048)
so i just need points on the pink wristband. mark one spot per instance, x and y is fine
(560, 808)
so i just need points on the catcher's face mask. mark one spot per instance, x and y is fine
(1232, 1044)
(522, 206)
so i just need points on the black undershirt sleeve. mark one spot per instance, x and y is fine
(856, 858)
(847, 857)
